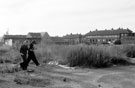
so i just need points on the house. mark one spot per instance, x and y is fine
(104, 36)
(14, 40)
(34, 36)
(17, 40)
(47, 39)
(58, 40)
(127, 38)
(73, 38)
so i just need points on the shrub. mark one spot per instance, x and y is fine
(97, 56)
(118, 42)
(88, 56)
(84, 55)
(129, 50)
(9, 55)
(120, 61)
(46, 53)
(4, 49)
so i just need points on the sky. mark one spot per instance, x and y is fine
(61, 17)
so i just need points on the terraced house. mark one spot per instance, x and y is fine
(105, 36)
(73, 38)
(126, 36)
(17, 40)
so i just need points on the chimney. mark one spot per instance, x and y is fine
(119, 28)
(127, 28)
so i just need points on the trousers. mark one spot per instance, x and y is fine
(31, 56)
(23, 64)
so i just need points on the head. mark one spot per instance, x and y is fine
(33, 42)
(26, 42)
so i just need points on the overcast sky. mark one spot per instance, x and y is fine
(60, 17)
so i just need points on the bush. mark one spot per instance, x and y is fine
(120, 61)
(84, 55)
(117, 42)
(88, 56)
(130, 51)
(4, 49)
(46, 53)
(9, 55)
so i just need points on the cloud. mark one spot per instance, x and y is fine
(65, 16)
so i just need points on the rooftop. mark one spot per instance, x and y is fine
(14, 36)
(34, 35)
(108, 32)
(72, 36)
(57, 39)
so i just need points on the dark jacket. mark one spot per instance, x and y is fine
(24, 49)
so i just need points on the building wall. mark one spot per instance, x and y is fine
(128, 38)
(17, 42)
(97, 39)
(9, 42)
(38, 40)
(73, 41)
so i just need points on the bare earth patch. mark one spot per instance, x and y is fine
(52, 76)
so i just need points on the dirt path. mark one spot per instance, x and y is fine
(50, 76)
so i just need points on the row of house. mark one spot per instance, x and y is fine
(126, 36)
(103, 36)
(17, 40)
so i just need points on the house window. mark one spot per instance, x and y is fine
(103, 40)
(90, 40)
(98, 40)
(93, 40)
(122, 34)
(125, 34)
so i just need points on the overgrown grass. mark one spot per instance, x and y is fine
(9, 68)
(130, 51)
(46, 53)
(96, 56)
(84, 55)
(76, 55)
(9, 55)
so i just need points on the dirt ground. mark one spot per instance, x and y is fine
(51, 76)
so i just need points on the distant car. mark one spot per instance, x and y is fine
(117, 42)
(105, 43)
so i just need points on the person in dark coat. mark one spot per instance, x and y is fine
(24, 54)
(31, 54)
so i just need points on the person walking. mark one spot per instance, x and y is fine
(31, 54)
(24, 54)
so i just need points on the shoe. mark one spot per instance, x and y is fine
(38, 65)
(23, 67)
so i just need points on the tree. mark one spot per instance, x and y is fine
(46, 39)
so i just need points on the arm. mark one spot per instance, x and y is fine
(31, 47)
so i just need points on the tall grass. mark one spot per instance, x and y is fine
(9, 55)
(76, 55)
(84, 55)
(51, 52)
(97, 56)
(129, 50)
(88, 56)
